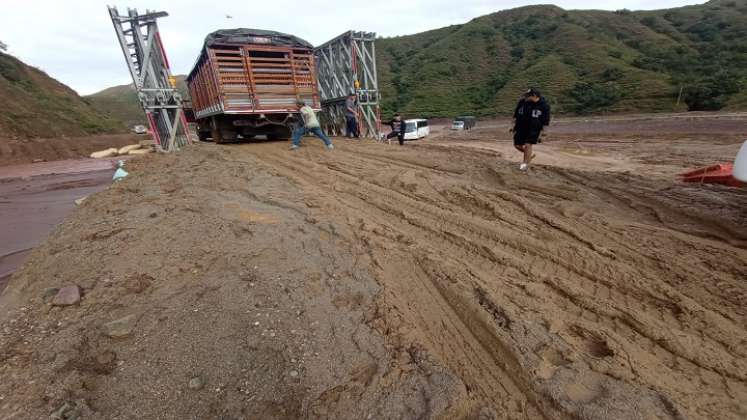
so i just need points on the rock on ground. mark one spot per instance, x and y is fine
(66, 296)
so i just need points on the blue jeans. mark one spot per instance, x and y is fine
(352, 126)
(301, 131)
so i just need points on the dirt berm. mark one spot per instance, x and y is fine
(379, 282)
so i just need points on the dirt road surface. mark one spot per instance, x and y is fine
(375, 282)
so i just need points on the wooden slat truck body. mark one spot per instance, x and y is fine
(246, 83)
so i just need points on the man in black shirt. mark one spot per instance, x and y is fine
(532, 114)
(398, 129)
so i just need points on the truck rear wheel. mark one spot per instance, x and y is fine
(222, 131)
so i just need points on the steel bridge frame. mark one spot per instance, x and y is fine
(347, 65)
(156, 87)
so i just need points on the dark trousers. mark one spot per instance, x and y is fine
(352, 124)
(400, 137)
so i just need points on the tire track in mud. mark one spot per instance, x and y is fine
(487, 375)
(643, 204)
(487, 345)
(629, 307)
(726, 290)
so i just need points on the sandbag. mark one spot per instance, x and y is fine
(124, 150)
(139, 152)
(104, 153)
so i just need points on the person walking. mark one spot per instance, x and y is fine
(398, 129)
(531, 116)
(310, 124)
(351, 117)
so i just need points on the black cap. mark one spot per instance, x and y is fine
(533, 92)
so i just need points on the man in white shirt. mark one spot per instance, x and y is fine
(310, 124)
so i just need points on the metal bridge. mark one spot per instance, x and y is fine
(347, 65)
(156, 88)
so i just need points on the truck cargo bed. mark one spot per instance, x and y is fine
(252, 79)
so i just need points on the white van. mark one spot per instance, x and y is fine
(740, 163)
(416, 129)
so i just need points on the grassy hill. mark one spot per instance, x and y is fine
(584, 61)
(36, 105)
(121, 103)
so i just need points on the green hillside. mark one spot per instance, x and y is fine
(584, 61)
(120, 102)
(35, 105)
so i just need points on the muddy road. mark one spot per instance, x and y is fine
(36, 197)
(428, 281)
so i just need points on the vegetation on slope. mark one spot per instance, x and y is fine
(35, 105)
(121, 102)
(584, 61)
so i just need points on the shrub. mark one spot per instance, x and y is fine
(517, 53)
(612, 73)
(593, 96)
(9, 69)
(647, 63)
(710, 93)
(649, 21)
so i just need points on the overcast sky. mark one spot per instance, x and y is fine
(74, 42)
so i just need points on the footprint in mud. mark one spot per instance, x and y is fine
(591, 343)
(571, 210)
(137, 283)
(348, 301)
(584, 389)
(236, 212)
(599, 348)
(499, 314)
(551, 359)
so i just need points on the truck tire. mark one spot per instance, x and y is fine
(215, 130)
(222, 131)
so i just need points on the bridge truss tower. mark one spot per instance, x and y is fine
(156, 87)
(347, 65)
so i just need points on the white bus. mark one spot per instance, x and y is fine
(416, 129)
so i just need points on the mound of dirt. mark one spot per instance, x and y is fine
(428, 281)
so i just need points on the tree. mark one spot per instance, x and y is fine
(589, 97)
(3, 46)
(710, 93)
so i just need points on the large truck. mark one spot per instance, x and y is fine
(245, 83)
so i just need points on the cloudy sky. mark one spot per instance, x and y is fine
(73, 40)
